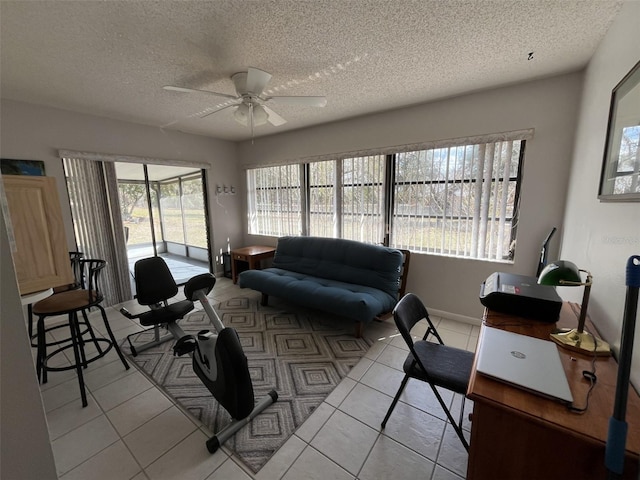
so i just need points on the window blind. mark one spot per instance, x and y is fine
(274, 200)
(457, 201)
(93, 196)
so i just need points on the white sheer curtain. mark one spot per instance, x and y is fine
(93, 195)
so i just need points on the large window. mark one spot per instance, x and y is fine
(323, 206)
(275, 200)
(171, 207)
(363, 198)
(193, 212)
(459, 200)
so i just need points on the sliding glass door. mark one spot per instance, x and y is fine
(164, 213)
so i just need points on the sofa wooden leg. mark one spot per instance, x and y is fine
(265, 300)
(359, 329)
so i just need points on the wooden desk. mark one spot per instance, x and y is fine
(252, 255)
(519, 435)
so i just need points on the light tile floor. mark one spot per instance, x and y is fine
(132, 430)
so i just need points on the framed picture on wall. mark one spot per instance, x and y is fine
(620, 178)
(22, 167)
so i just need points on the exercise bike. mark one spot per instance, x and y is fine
(217, 357)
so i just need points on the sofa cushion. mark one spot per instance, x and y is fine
(342, 260)
(358, 302)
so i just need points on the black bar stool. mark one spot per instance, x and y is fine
(74, 258)
(70, 303)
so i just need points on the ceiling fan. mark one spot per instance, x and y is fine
(250, 102)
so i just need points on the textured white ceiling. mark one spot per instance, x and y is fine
(111, 58)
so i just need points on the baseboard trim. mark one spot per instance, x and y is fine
(456, 317)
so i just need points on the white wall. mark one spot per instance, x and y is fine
(550, 106)
(24, 438)
(599, 236)
(33, 132)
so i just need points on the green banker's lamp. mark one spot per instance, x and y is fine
(566, 274)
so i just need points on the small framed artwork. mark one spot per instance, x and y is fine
(22, 167)
(620, 178)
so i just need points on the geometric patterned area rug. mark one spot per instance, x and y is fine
(302, 354)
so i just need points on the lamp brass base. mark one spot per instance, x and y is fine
(584, 343)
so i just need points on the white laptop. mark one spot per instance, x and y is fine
(524, 362)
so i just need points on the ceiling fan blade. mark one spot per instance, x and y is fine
(257, 80)
(169, 124)
(219, 109)
(274, 119)
(192, 90)
(303, 101)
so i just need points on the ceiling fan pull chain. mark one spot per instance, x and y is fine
(251, 120)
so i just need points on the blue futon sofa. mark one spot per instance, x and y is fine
(355, 280)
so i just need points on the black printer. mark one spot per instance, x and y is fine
(520, 295)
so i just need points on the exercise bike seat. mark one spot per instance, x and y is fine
(166, 314)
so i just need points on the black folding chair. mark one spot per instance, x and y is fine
(435, 363)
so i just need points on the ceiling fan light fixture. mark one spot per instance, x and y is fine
(260, 116)
(242, 114)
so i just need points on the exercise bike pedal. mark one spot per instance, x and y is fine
(184, 345)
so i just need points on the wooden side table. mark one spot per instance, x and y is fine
(251, 255)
